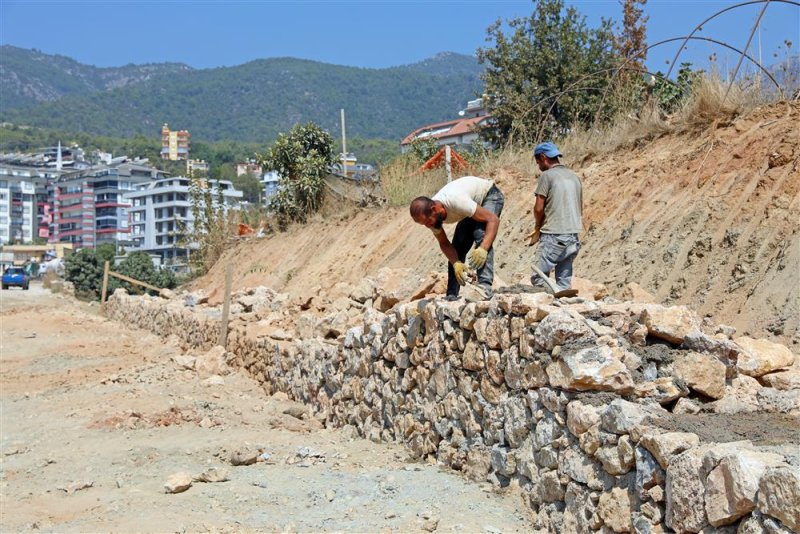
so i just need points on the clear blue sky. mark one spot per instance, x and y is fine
(377, 33)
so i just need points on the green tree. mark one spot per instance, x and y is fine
(300, 158)
(85, 271)
(249, 185)
(535, 73)
(139, 266)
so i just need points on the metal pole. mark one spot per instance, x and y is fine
(741, 58)
(344, 147)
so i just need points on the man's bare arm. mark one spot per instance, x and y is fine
(538, 211)
(492, 224)
(446, 246)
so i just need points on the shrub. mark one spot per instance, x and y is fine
(85, 271)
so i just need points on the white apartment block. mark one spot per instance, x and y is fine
(24, 210)
(159, 210)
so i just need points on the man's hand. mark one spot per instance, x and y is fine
(477, 258)
(533, 237)
(461, 273)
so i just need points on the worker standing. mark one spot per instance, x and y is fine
(558, 212)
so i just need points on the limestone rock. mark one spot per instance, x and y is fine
(178, 483)
(212, 363)
(591, 369)
(779, 495)
(581, 417)
(760, 356)
(560, 327)
(621, 416)
(731, 486)
(783, 380)
(670, 323)
(615, 510)
(667, 445)
(635, 292)
(702, 372)
(685, 491)
(588, 289)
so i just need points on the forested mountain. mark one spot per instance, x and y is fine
(28, 77)
(250, 102)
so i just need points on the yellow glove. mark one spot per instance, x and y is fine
(477, 258)
(461, 273)
(533, 237)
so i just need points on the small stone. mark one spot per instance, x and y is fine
(665, 446)
(178, 483)
(212, 474)
(330, 495)
(244, 457)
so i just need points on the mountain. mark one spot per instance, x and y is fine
(250, 102)
(29, 77)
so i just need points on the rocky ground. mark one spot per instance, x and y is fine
(97, 417)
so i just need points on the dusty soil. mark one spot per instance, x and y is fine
(97, 416)
(708, 219)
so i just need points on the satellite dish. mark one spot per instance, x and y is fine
(461, 113)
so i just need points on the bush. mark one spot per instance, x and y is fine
(138, 265)
(85, 272)
(301, 158)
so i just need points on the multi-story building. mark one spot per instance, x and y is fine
(270, 182)
(174, 143)
(161, 212)
(248, 167)
(88, 205)
(25, 207)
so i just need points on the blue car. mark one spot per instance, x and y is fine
(15, 276)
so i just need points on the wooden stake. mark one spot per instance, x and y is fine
(226, 306)
(105, 285)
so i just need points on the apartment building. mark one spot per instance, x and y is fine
(25, 206)
(88, 205)
(161, 210)
(174, 143)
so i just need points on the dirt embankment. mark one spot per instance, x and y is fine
(710, 220)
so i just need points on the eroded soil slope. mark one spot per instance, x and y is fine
(708, 219)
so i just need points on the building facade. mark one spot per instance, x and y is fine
(88, 205)
(161, 212)
(25, 204)
(174, 144)
(462, 131)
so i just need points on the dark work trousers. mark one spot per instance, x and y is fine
(469, 232)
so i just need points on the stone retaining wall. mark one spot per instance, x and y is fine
(580, 404)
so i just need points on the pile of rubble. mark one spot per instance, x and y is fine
(607, 415)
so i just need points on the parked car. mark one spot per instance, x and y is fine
(15, 276)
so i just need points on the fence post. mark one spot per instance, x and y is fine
(447, 163)
(226, 306)
(104, 293)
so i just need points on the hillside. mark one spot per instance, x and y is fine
(709, 220)
(250, 102)
(29, 77)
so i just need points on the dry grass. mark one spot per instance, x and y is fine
(623, 131)
(48, 278)
(402, 181)
(710, 104)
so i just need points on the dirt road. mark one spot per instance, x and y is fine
(96, 417)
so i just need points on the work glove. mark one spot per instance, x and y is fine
(461, 273)
(477, 258)
(533, 237)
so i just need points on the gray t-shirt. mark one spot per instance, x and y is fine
(563, 194)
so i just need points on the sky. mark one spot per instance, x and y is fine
(361, 33)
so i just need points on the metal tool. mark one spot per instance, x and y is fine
(553, 287)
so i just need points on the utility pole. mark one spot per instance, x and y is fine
(344, 147)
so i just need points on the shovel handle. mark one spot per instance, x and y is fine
(552, 285)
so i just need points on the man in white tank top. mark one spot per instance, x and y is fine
(474, 205)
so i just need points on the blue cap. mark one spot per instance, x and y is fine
(549, 149)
